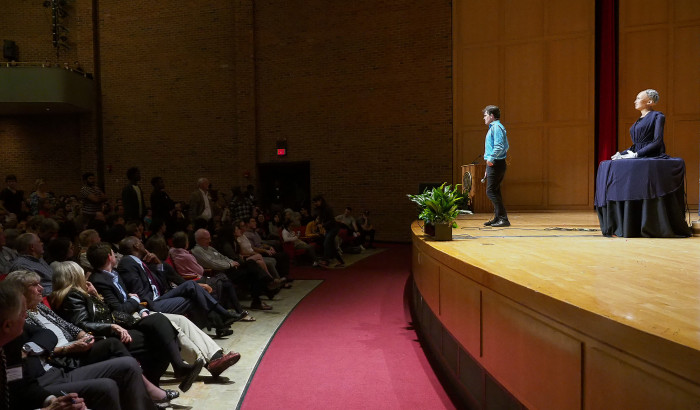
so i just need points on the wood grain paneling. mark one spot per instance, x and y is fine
(686, 72)
(686, 145)
(643, 64)
(479, 82)
(571, 318)
(518, 345)
(460, 309)
(468, 34)
(569, 85)
(539, 68)
(427, 277)
(642, 12)
(559, 16)
(524, 83)
(525, 181)
(618, 381)
(686, 10)
(470, 146)
(571, 161)
(660, 48)
(523, 19)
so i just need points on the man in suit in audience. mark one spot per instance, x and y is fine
(108, 282)
(161, 204)
(194, 343)
(112, 384)
(132, 197)
(143, 275)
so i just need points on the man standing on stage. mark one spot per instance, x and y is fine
(496, 147)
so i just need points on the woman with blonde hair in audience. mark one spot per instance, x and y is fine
(77, 301)
(75, 347)
(194, 343)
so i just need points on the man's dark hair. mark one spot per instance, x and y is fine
(155, 181)
(11, 177)
(158, 246)
(88, 175)
(131, 173)
(126, 246)
(492, 109)
(98, 253)
(115, 234)
(57, 249)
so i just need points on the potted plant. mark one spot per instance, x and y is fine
(439, 207)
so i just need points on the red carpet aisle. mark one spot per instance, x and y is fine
(346, 345)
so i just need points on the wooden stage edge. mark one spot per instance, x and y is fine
(563, 317)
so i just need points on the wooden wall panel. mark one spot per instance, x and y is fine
(470, 146)
(614, 383)
(478, 77)
(538, 66)
(642, 12)
(686, 10)
(460, 309)
(660, 48)
(573, 59)
(524, 83)
(517, 345)
(525, 177)
(427, 277)
(559, 15)
(570, 162)
(686, 145)
(686, 73)
(643, 64)
(484, 32)
(523, 19)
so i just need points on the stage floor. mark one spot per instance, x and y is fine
(652, 285)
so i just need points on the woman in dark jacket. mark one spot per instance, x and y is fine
(325, 214)
(151, 338)
(74, 346)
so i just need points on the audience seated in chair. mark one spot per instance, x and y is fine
(74, 350)
(240, 270)
(218, 283)
(292, 239)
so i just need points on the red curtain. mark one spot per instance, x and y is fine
(606, 92)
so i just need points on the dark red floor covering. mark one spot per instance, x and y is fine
(348, 346)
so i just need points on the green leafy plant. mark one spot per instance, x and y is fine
(439, 205)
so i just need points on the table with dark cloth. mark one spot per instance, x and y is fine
(642, 197)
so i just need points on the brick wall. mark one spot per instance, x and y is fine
(360, 89)
(31, 147)
(52, 147)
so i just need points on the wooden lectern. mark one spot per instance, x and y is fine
(471, 176)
